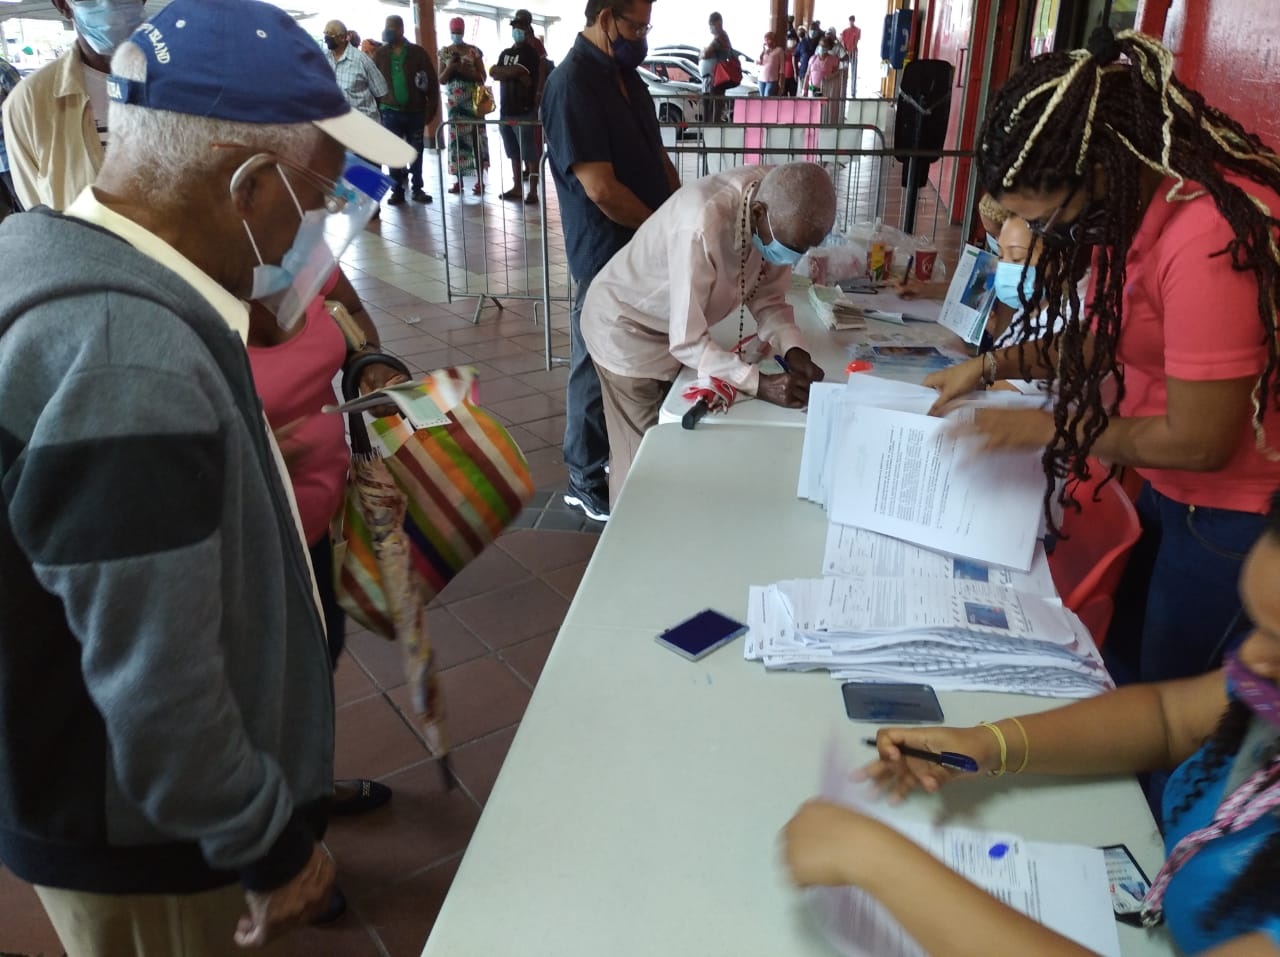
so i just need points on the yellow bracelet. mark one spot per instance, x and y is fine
(1004, 748)
(1026, 746)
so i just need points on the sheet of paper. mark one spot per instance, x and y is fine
(857, 553)
(921, 479)
(1062, 886)
(862, 605)
(409, 397)
(887, 305)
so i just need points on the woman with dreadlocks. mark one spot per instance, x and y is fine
(1109, 157)
(1219, 889)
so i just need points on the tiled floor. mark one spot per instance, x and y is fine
(494, 625)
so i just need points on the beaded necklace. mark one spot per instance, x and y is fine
(744, 247)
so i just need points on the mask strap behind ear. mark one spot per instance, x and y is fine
(289, 186)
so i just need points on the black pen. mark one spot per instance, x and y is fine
(947, 759)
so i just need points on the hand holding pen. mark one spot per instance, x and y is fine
(926, 758)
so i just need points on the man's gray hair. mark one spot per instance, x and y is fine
(160, 152)
(801, 200)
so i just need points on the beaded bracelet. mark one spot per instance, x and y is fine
(1004, 748)
(989, 369)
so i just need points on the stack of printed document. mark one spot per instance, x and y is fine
(935, 566)
(955, 634)
(1062, 886)
(874, 459)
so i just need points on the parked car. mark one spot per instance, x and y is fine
(678, 102)
(683, 68)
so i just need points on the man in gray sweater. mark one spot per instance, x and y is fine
(166, 706)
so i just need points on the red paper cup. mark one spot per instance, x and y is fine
(925, 258)
(859, 365)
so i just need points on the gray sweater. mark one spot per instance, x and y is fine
(166, 703)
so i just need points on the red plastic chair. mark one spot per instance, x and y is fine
(1089, 560)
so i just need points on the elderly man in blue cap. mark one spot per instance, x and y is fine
(166, 705)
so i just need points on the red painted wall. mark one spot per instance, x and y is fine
(948, 27)
(1229, 50)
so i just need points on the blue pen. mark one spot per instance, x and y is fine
(947, 759)
(783, 363)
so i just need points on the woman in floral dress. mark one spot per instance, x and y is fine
(461, 73)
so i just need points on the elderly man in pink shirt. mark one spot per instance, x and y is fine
(718, 247)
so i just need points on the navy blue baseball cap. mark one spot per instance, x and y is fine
(247, 61)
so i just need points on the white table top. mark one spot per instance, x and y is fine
(830, 349)
(638, 811)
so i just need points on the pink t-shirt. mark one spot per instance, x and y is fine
(771, 65)
(294, 380)
(1189, 315)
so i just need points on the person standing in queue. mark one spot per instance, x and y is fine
(611, 172)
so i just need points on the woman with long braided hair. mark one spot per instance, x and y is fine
(1219, 889)
(1171, 366)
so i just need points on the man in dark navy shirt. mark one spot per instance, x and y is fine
(611, 173)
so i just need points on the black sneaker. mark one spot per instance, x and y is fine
(396, 198)
(420, 196)
(591, 504)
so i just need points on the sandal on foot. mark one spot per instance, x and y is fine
(511, 194)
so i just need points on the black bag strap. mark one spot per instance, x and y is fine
(351, 372)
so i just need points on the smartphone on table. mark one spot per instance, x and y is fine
(1129, 884)
(890, 703)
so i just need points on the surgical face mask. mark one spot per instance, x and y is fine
(1010, 279)
(823, 51)
(775, 252)
(323, 235)
(629, 54)
(517, 35)
(456, 38)
(105, 24)
(1259, 695)
(815, 34)
(390, 36)
(993, 245)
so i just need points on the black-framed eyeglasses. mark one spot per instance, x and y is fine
(642, 29)
(1044, 228)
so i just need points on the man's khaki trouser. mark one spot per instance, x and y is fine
(147, 925)
(631, 408)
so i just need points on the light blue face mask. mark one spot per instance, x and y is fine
(517, 35)
(993, 244)
(105, 24)
(775, 252)
(1009, 278)
(456, 38)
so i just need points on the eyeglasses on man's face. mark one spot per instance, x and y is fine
(641, 29)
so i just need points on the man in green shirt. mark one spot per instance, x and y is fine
(411, 102)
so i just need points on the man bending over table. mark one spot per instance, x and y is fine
(717, 247)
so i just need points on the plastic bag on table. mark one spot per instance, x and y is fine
(835, 260)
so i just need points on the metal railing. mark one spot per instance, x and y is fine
(858, 152)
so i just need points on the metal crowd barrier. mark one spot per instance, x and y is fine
(473, 232)
(506, 252)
